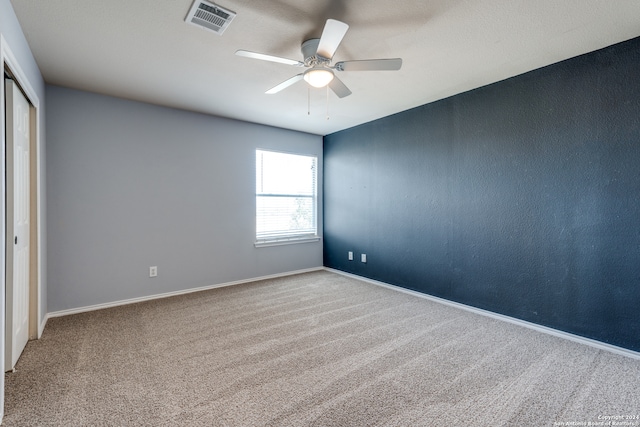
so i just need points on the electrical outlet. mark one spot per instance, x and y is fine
(363, 257)
(350, 256)
(153, 271)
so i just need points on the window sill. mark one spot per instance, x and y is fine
(276, 242)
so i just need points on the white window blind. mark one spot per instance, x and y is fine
(285, 196)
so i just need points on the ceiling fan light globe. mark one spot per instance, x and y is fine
(318, 77)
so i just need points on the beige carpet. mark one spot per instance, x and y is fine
(317, 349)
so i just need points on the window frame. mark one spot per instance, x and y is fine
(287, 238)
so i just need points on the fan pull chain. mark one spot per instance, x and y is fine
(308, 101)
(327, 102)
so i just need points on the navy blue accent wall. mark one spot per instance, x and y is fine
(521, 197)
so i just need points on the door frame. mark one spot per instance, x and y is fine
(37, 321)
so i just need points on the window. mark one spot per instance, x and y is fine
(285, 198)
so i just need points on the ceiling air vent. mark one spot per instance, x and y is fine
(209, 16)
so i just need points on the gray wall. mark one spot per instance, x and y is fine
(133, 185)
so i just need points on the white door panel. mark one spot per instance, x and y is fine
(17, 254)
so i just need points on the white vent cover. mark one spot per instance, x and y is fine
(209, 16)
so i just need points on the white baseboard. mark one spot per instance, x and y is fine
(550, 331)
(171, 294)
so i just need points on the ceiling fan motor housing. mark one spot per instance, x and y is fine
(309, 53)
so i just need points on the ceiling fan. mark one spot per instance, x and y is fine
(317, 54)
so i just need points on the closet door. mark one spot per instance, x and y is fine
(17, 226)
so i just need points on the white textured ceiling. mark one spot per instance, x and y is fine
(143, 50)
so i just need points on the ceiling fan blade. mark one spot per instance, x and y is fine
(370, 65)
(263, 57)
(339, 88)
(332, 35)
(285, 84)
